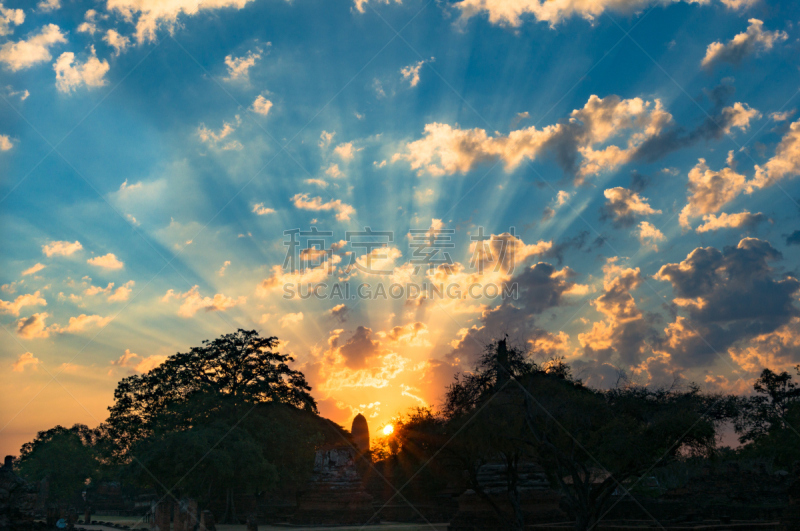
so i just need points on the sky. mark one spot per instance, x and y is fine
(626, 170)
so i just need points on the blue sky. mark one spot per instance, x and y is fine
(177, 145)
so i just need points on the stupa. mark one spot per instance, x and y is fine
(360, 433)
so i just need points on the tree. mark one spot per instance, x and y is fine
(592, 443)
(242, 367)
(228, 418)
(767, 410)
(65, 457)
(767, 421)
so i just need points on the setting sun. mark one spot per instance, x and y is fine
(388, 429)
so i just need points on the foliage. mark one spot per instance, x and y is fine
(242, 367)
(767, 421)
(66, 457)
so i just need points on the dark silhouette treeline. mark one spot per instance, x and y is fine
(232, 418)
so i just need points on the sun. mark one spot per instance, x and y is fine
(388, 429)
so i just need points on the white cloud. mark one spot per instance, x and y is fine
(5, 143)
(325, 139)
(71, 76)
(752, 41)
(47, 6)
(33, 326)
(26, 53)
(239, 67)
(89, 25)
(33, 269)
(14, 307)
(359, 4)
(194, 302)
(10, 17)
(261, 210)
(343, 210)
(152, 14)
(108, 261)
(116, 41)
(122, 293)
(334, 171)
(649, 235)
(25, 360)
(262, 105)
(739, 116)
(290, 319)
(346, 151)
(61, 248)
(213, 138)
(445, 150)
(730, 221)
(411, 72)
(222, 269)
(82, 323)
(511, 12)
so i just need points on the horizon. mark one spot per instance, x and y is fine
(614, 187)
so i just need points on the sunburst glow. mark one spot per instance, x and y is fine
(388, 429)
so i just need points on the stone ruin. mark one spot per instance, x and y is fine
(17, 499)
(539, 503)
(334, 494)
(360, 433)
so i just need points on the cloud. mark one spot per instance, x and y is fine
(334, 171)
(776, 350)
(70, 77)
(710, 190)
(785, 162)
(512, 12)
(116, 41)
(325, 139)
(623, 206)
(131, 360)
(47, 6)
(793, 238)
(89, 25)
(108, 261)
(261, 210)
(239, 67)
(61, 248)
(82, 323)
(359, 4)
(194, 302)
(742, 220)
(10, 17)
(729, 295)
(738, 116)
(33, 326)
(262, 106)
(290, 319)
(445, 150)
(340, 312)
(31, 299)
(281, 278)
(343, 210)
(411, 72)
(33, 269)
(752, 41)
(152, 14)
(5, 143)
(213, 138)
(122, 293)
(24, 360)
(346, 151)
(649, 235)
(222, 269)
(36, 49)
(359, 348)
